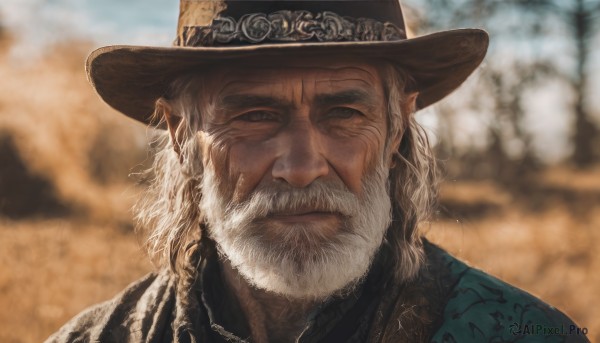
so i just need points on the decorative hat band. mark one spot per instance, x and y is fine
(288, 26)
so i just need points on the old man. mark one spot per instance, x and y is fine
(286, 199)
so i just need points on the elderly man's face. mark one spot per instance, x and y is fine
(295, 125)
(290, 155)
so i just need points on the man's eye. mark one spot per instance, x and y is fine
(258, 116)
(343, 113)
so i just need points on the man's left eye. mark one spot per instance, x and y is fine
(258, 116)
(343, 113)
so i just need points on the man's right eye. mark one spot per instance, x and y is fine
(258, 116)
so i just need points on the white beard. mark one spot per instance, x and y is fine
(299, 262)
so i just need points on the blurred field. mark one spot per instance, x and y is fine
(71, 245)
(52, 269)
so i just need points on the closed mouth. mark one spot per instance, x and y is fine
(303, 212)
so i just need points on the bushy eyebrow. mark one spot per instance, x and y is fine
(353, 96)
(236, 102)
(231, 103)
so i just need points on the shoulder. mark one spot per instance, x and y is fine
(482, 308)
(131, 316)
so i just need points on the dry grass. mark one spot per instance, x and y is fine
(52, 269)
(64, 134)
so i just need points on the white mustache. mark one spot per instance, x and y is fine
(320, 196)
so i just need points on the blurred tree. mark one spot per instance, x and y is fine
(581, 19)
(519, 60)
(584, 21)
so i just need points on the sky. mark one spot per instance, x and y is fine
(38, 24)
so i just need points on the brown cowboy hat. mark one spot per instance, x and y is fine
(132, 78)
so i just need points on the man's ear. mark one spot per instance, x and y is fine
(173, 121)
(408, 107)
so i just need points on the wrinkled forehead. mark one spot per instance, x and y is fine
(312, 75)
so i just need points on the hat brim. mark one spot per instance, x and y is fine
(131, 78)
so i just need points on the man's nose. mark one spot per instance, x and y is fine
(300, 160)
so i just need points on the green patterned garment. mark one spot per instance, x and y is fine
(482, 308)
